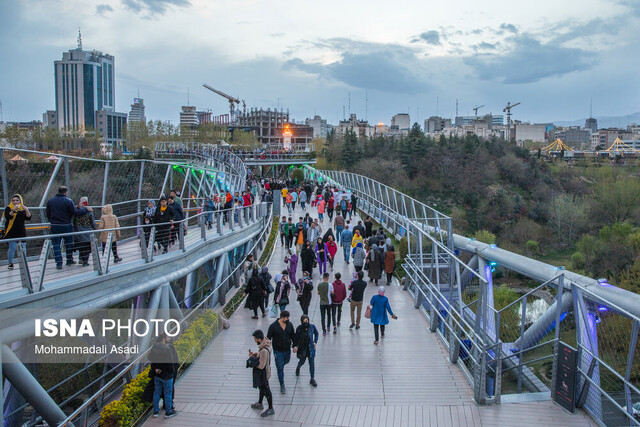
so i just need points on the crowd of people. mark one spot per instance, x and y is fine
(311, 243)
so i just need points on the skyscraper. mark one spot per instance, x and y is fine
(85, 83)
(591, 124)
(137, 111)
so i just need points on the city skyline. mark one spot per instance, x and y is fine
(398, 61)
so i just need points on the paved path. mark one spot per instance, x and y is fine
(406, 380)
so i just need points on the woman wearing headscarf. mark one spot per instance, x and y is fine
(375, 264)
(389, 263)
(358, 257)
(147, 219)
(305, 289)
(307, 338)
(292, 264)
(256, 291)
(109, 221)
(321, 255)
(266, 278)
(281, 294)
(308, 258)
(332, 248)
(164, 223)
(14, 217)
(379, 308)
(84, 222)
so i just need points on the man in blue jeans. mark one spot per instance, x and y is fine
(283, 337)
(345, 241)
(164, 365)
(60, 211)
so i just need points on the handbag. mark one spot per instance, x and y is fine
(367, 312)
(366, 265)
(273, 311)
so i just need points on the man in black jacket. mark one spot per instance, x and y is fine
(164, 367)
(357, 289)
(60, 211)
(282, 336)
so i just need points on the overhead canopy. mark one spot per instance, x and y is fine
(557, 145)
(620, 146)
(17, 158)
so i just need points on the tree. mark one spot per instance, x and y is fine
(485, 236)
(616, 201)
(568, 216)
(349, 148)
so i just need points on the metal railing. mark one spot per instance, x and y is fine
(82, 415)
(507, 350)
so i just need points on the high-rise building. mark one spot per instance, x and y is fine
(137, 111)
(110, 126)
(402, 121)
(591, 124)
(319, 125)
(85, 83)
(436, 124)
(50, 119)
(204, 117)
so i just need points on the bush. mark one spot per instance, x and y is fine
(533, 247)
(485, 236)
(130, 408)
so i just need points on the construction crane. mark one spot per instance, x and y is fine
(476, 110)
(507, 110)
(232, 102)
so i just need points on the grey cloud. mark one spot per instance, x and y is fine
(102, 9)
(385, 69)
(485, 46)
(528, 60)
(509, 27)
(153, 6)
(431, 37)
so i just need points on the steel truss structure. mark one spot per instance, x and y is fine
(208, 244)
(499, 348)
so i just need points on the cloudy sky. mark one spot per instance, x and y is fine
(553, 56)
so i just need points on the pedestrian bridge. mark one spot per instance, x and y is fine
(452, 357)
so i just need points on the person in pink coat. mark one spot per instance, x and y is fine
(332, 248)
(321, 205)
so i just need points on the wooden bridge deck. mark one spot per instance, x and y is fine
(406, 380)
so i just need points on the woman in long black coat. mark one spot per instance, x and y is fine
(308, 257)
(255, 290)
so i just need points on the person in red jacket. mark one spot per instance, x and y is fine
(246, 199)
(330, 207)
(332, 248)
(340, 294)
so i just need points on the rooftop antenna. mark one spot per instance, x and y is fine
(437, 105)
(456, 107)
(79, 39)
(366, 106)
(591, 109)
(188, 97)
(349, 104)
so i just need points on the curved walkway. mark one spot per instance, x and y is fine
(406, 380)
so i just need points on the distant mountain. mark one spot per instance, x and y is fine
(605, 121)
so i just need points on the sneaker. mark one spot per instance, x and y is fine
(257, 405)
(283, 390)
(59, 266)
(297, 372)
(324, 333)
(358, 327)
(10, 266)
(85, 263)
(353, 325)
(254, 317)
(335, 330)
(375, 342)
(117, 259)
(313, 382)
(165, 250)
(71, 262)
(268, 412)
(382, 336)
(155, 414)
(338, 324)
(171, 414)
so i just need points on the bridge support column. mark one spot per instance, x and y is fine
(20, 377)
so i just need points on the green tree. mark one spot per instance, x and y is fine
(568, 216)
(349, 148)
(485, 236)
(616, 201)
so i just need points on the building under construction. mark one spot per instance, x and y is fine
(270, 127)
